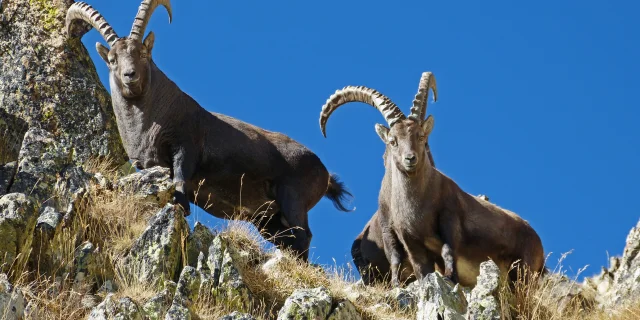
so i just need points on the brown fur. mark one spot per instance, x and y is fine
(428, 214)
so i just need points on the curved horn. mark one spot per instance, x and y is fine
(419, 108)
(389, 110)
(83, 11)
(144, 14)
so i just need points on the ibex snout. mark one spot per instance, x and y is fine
(410, 160)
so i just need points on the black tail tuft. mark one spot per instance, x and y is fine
(337, 193)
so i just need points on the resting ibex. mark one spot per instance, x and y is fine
(162, 125)
(371, 262)
(426, 211)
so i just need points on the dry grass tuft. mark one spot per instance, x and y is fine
(113, 219)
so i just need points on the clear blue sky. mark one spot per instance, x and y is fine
(538, 101)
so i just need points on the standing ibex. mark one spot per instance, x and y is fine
(426, 211)
(162, 125)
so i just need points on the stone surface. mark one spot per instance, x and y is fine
(7, 171)
(157, 306)
(47, 224)
(306, 304)
(438, 298)
(198, 242)
(178, 312)
(111, 309)
(619, 284)
(17, 221)
(49, 81)
(152, 184)
(83, 260)
(227, 279)
(12, 130)
(344, 310)
(12, 301)
(405, 298)
(156, 255)
(237, 316)
(188, 287)
(483, 302)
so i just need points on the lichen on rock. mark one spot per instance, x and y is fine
(483, 304)
(156, 254)
(439, 298)
(306, 304)
(18, 215)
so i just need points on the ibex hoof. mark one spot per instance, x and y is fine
(180, 199)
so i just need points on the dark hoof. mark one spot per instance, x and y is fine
(180, 199)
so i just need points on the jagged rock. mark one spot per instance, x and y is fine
(178, 312)
(156, 255)
(405, 298)
(206, 279)
(186, 294)
(17, 220)
(41, 160)
(626, 272)
(438, 298)
(344, 310)
(198, 242)
(483, 304)
(83, 259)
(306, 304)
(12, 130)
(71, 180)
(156, 307)
(226, 277)
(152, 184)
(48, 80)
(238, 316)
(123, 309)
(12, 302)
(188, 287)
(618, 284)
(7, 171)
(48, 222)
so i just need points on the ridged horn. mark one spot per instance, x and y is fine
(419, 107)
(389, 110)
(83, 11)
(144, 14)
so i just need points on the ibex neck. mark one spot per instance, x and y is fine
(409, 192)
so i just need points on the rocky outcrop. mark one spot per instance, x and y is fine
(48, 81)
(437, 297)
(156, 255)
(18, 215)
(306, 304)
(116, 309)
(483, 302)
(238, 316)
(619, 284)
(152, 184)
(7, 172)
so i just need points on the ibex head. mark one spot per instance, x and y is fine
(406, 137)
(129, 57)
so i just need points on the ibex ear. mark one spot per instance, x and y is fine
(148, 41)
(103, 52)
(427, 126)
(383, 132)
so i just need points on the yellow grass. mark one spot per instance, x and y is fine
(112, 220)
